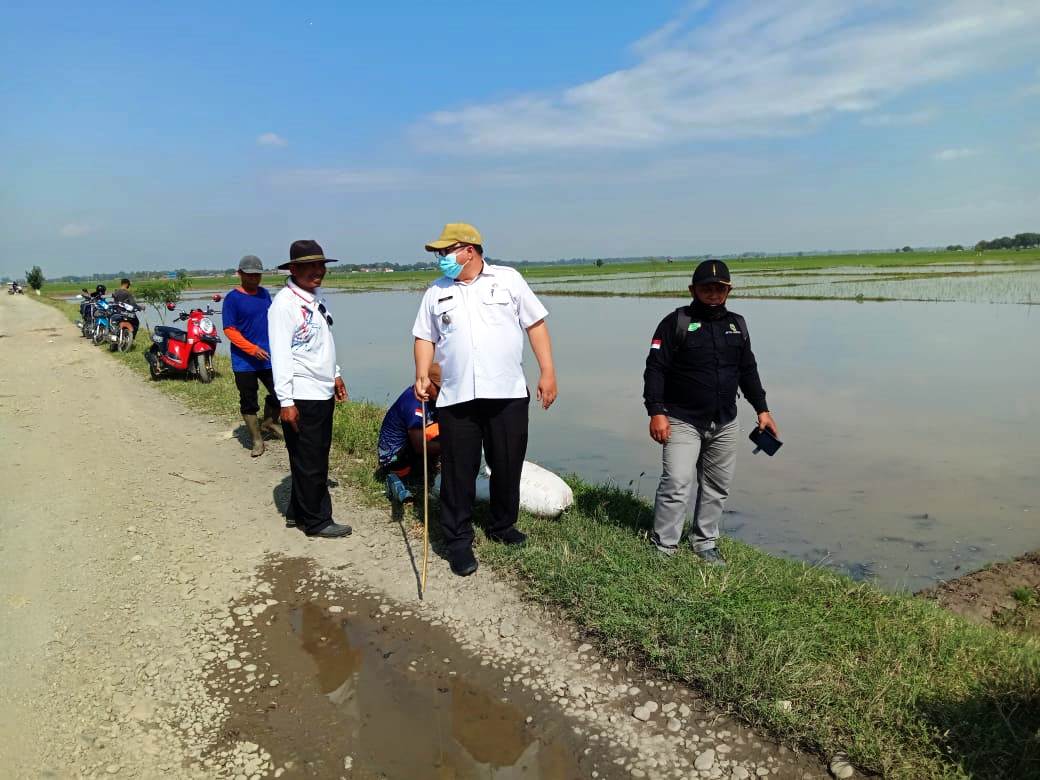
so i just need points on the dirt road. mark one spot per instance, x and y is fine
(158, 619)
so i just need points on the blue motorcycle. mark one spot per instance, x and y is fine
(101, 318)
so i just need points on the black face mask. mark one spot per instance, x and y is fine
(705, 313)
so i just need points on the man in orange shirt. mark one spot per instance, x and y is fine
(245, 324)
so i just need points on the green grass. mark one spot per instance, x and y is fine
(363, 282)
(1024, 617)
(1025, 596)
(907, 689)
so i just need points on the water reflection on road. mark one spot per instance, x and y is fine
(909, 445)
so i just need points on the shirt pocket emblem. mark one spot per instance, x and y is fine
(444, 313)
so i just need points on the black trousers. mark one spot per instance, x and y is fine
(310, 504)
(248, 384)
(500, 427)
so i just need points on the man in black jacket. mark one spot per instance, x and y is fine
(700, 355)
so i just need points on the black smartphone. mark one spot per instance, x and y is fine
(764, 440)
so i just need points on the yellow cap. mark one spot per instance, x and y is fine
(455, 233)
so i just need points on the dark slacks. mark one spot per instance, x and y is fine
(310, 504)
(248, 384)
(500, 427)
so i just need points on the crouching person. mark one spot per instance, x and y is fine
(401, 435)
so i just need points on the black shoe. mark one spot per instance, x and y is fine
(463, 563)
(332, 531)
(512, 536)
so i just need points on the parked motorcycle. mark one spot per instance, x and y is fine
(100, 321)
(184, 351)
(121, 322)
(86, 313)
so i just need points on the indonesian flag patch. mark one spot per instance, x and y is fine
(655, 344)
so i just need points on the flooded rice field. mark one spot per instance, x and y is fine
(950, 282)
(909, 455)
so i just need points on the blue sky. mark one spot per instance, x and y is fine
(185, 135)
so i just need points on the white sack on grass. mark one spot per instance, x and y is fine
(542, 493)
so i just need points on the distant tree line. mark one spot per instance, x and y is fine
(1018, 241)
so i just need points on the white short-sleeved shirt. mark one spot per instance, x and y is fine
(478, 330)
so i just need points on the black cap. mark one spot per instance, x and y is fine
(305, 251)
(712, 271)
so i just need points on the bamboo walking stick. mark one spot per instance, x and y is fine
(426, 504)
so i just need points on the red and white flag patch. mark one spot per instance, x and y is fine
(655, 344)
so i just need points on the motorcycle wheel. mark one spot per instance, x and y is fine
(204, 367)
(126, 340)
(99, 334)
(153, 365)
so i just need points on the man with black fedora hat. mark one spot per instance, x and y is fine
(699, 356)
(308, 385)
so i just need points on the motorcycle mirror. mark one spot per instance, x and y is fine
(216, 297)
(170, 306)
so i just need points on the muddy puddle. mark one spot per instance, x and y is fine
(323, 682)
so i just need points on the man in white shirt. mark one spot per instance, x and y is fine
(308, 385)
(473, 319)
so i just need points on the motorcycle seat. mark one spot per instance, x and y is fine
(171, 333)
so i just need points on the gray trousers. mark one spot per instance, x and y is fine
(705, 459)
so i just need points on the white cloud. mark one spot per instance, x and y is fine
(955, 154)
(750, 68)
(76, 229)
(270, 139)
(900, 120)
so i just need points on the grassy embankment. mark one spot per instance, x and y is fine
(909, 690)
(364, 282)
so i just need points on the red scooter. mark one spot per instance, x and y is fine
(188, 351)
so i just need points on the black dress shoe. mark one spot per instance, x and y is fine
(332, 531)
(463, 563)
(511, 536)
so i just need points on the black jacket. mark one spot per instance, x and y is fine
(124, 296)
(696, 379)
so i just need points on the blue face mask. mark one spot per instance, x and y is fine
(450, 266)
